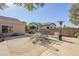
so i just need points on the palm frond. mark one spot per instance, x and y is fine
(30, 6)
(74, 13)
(3, 6)
(18, 4)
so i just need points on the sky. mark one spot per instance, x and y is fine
(51, 12)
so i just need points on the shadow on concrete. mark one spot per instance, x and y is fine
(68, 41)
(13, 37)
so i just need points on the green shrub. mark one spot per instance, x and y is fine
(34, 31)
(77, 34)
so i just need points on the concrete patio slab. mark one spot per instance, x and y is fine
(25, 47)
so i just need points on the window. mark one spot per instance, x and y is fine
(9, 29)
(47, 27)
(6, 29)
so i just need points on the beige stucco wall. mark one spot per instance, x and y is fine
(18, 27)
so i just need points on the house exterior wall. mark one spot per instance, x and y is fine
(43, 27)
(50, 27)
(17, 27)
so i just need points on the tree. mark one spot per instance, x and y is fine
(26, 28)
(34, 25)
(28, 6)
(3, 6)
(74, 13)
